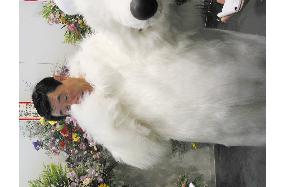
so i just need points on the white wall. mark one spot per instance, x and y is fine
(41, 46)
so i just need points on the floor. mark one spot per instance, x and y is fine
(243, 166)
(183, 160)
(240, 166)
(218, 165)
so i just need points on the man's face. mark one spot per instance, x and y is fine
(69, 92)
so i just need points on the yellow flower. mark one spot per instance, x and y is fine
(75, 137)
(42, 121)
(103, 185)
(193, 145)
(52, 122)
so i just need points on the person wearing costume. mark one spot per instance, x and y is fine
(136, 103)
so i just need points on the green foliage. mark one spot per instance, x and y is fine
(85, 160)
(199, 182)
(52, 175)
(184, 181)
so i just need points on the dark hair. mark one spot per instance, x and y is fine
(40, 99)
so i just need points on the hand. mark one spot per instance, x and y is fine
(230, 7)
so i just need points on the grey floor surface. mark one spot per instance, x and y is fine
(183, 160)
(240, 166)
(218, 165)
(243, 166)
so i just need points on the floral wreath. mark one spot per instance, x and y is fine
(76, 26)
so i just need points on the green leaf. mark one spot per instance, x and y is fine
(52, 175)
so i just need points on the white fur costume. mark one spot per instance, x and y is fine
(192, 92)
(170, 81)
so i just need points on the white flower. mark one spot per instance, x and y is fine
(87, 181)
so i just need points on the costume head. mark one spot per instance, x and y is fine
(135, 14)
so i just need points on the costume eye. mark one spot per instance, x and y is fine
(66, 97)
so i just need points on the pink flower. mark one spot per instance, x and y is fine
(82, 146)
(100, 179)
(72, 27)
(55, 150)
(71, 119)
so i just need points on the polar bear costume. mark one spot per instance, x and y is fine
(183, 92)
(162, 83)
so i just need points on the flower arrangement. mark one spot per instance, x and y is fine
(88, 163)
(76, 26)
(56, 136)
(57, 175)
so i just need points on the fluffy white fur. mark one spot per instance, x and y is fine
(200, 91)
(111, 125)
(172, 80)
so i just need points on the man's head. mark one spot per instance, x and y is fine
(53, 97)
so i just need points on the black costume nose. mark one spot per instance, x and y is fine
(143, 9)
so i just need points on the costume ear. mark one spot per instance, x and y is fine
(59, 77)
(67, 6)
